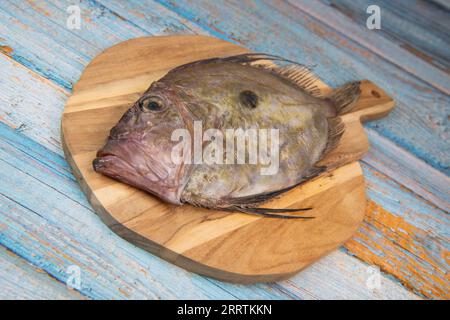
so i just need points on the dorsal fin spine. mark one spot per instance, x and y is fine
(296, 73)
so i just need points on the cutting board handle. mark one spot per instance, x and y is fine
(374, 103)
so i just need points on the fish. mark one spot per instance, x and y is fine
(250, 93)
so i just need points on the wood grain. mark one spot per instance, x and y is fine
(404, 25)
(205, 241)
(25, 162)
(19, 280)
(421, 110)
(378, 44)
(52, 225)
(429, 276)
(409, 188)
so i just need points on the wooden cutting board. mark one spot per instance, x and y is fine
(228, 246)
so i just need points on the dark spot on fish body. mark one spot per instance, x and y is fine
(249, 99)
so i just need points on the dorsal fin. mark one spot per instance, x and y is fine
(246, 58)
(302, 76)
(296, 73)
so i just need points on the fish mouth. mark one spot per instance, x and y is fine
(110, 162)
(113, 166)
(106, 163)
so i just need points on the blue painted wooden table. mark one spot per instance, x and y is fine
(54, 246)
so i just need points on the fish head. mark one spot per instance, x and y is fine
(139, 148)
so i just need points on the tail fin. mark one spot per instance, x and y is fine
(345, 97)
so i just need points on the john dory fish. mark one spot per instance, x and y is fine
(243, 91)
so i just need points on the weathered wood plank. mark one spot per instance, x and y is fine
(412, 30)
(18, 117)
(110, 267)
(421, 110)
(378, 44)
(308, 282)
(30, 103)
(55, 172)
(413, 173)
(129, 10)
(55, 125)
(33, 28)
(442, 4)
(324, 280)
(20, 280)
(135, 11)
(420, 115)
(407, 237)
(205, 13)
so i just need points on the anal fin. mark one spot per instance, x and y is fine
(272, 213)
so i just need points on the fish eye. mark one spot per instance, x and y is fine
(249, 99)
(150, 105)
